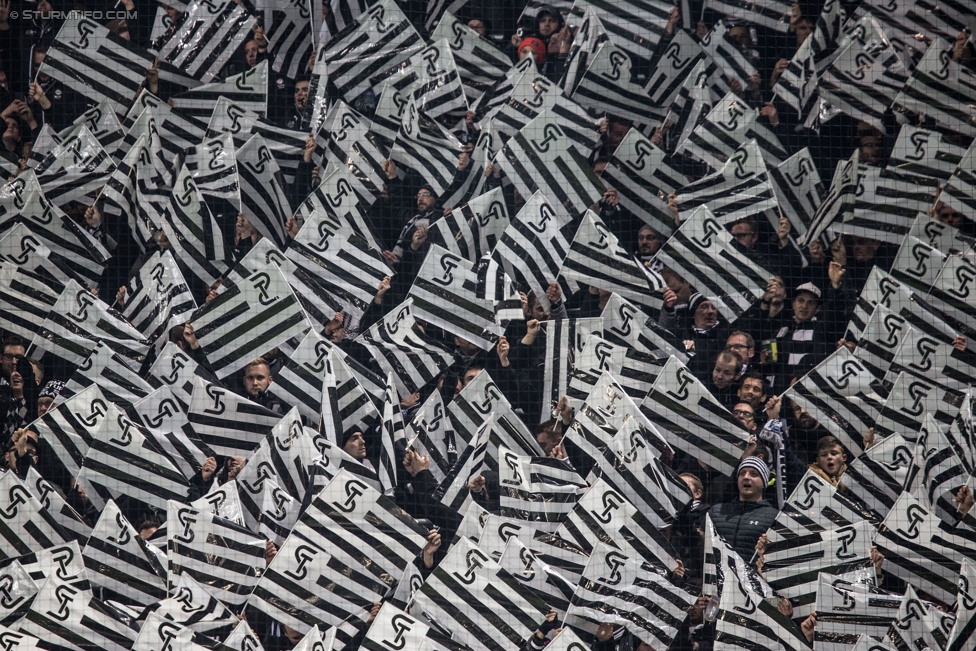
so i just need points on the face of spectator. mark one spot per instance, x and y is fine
(831, 460)
(477, 26)
(745, 235)
(598, 167)
(301, 95)
(723, 374)
(750, 485)
(534, 310)
(466, 347)
(740, 346)
(548, 440)
(43, 405)
(803, 30)
(803, 418)
(11, 355)
(864, 248)
(13, 130)
(805, 307)
(547, 25)
(706, 315)
(251, 53)
(949, 215)
(741, 35)
(752, 392)
(147, 532)
(648, 242)
(425, 200)
(257, 379)
(745, 414)
(355, 447)
(616, 133)
(234, 467)
(172, 12)
(691, 487)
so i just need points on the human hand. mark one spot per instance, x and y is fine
(120, 296)
(964, 500)
(769, 112)
(291, 227)
(554, 292)
(433, 544)
(670, 298)
(959, 343)
(309, 149)
(463, 161)
(93, 217)
(384, 286)
(476, 484)
(209, 468)
(611, 198)
(503, 348)
(419, 237)
(270, 551)
(389, 168)
(773, 406)
(835, 271)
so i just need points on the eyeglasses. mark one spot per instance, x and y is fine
(737, 347)
(12, 358)
(744, 414)
(740, 236)
(424, 194)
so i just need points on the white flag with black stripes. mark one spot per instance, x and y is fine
(229, 424)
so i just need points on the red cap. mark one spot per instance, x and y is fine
(536, 45)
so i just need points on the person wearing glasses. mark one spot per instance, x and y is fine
(18, 387)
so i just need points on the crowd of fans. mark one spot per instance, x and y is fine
(746, 364)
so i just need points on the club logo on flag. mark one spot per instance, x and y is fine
(185, 518)
(321, 352)
(846, 536)
(85, 29)
(712, 229)
(901, 458)
(968, 599)
(216, 150)
(511, 460)
(740, 157)
(528, 562)
(167, 409)
(812, 486)
(167, 632)
(965, 274)
(926, 347)
(401, 316)
(303, 555)
(126, 437)
(545, 214)
(401, 624)
(636, 443)
(184, 597)
(887, 287)
(611, 502)
(63, 557)
(6, 599)
(65, 595)
(474, 561)
(613, 560)
(617, 59)
(346, 121)
(673, 54)
(915, 515)
(849, 601)
(684, 378)
(262, 282)
(603, 352)
(850, 369)
(806, 167)
(919, 139)
(644, 149)
(921, 252)
(551, 133)
(17, 495)
(492, 395)
(85, 300)
(265, 471)
(28, 244)
(448, 264)
(735, 112)
(915, 610)
(431, 55)
(434, 423)
(750, 606)
(216, 394)
(280, 499)
(176, 364)
(123, 537)
(893, 325)
(506, 530)
(353, 488)
(43, 489)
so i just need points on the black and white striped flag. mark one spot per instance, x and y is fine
(480, 63)
(87, 256)
(690, 106)
(925, 152)
(121, 454)
(919, 622)
(839, 395)
(732, 63)
(52, 499)
(446, 294)
(910, 398)
(864, 78)
(178, 132)
(263, 199)
(635, 27)
(289, 31)
(223, 501)
(741, 188)
(624, 590)
(504, 614)
(846, 610)
(626, 325)
(119, 562)
(392, 627)
(540, 490)
(565, 340)
(877, 476)
(596, 258)
(79, 320)
(941, 88)
(66, 616)
(370, 48)
(589, 37)
(192, 231)
(671, 65)
(921, 550)
(350, 269)
(206, 39)
(104, 124)
(250, 318)
(533, 247)
(97, 64)
(75, 168)
(25, 299)
(772, 14)
(797, 84)
(123, 196)
(963, 631)
(431, 434)
(347, 550)
(932, 356)
(426, 147)
(545, 581)
(71, 426)
(816, 506)
(25, 524)
(937, 471)
(792, 566)
(675, 404)
(604, 515)
(721, 562)
(470, 409)
(701, 251)
(886, 204)
(960, 191)
(225, 557)
(158, 298)
(881, 339)
(227, 423)
(473, 229)
(798, 189)
(399, 348)
(21, 247)
(286, 146)
(637, 371)
(747, 620)
(299, 383)
(541, 157)
(606, 87)
(392, 437)
(121, 384)
(729, 123)
(162, 413)
(435, 85)
(21, 590)
(351, 143)
(643, 178)
(177, 371)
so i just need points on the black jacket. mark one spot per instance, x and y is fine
(741, 523)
